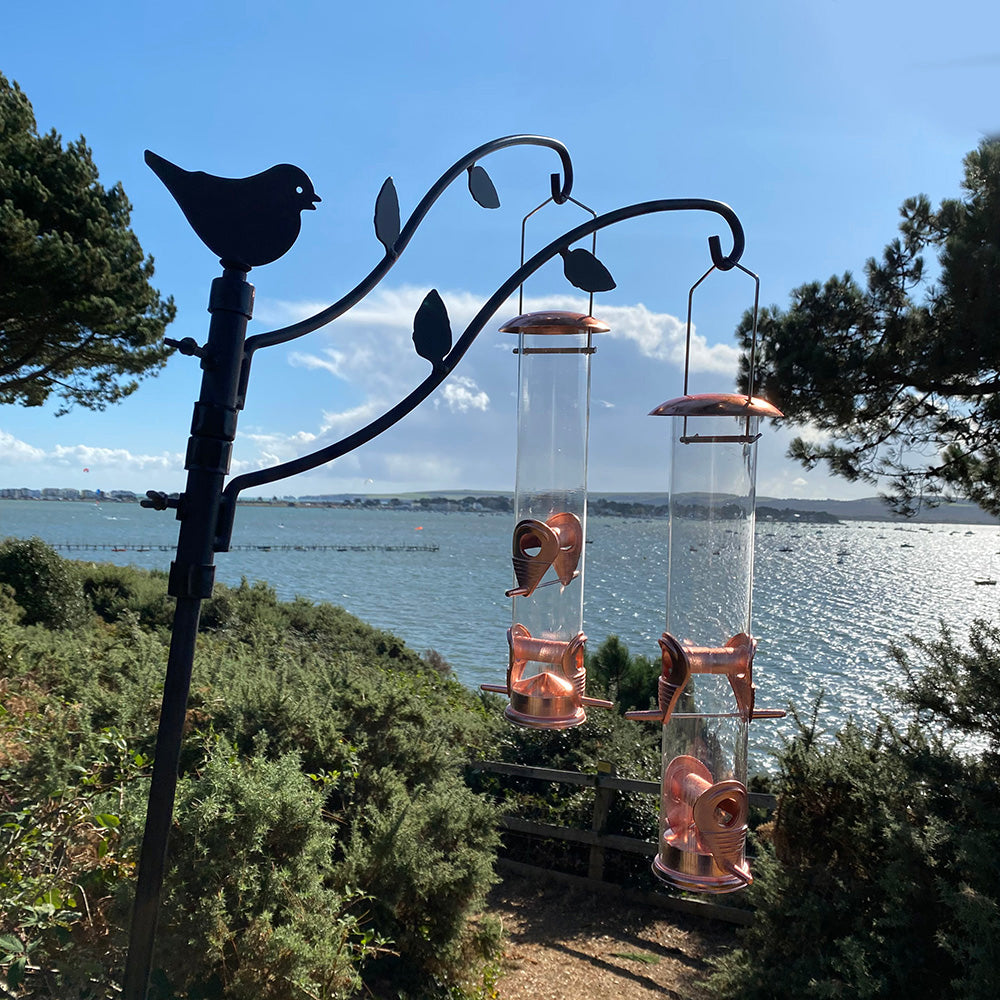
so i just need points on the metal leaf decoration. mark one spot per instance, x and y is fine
(387, 215)
(482, 189)
(585, 271)
(432, 328)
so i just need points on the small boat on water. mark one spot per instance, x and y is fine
(989, 580)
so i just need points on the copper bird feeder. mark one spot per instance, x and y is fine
(546, 679)
(706, 690)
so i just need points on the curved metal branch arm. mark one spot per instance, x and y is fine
(560, 193)
(441, 371)
(722, 262)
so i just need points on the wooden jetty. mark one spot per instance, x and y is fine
(111, 547)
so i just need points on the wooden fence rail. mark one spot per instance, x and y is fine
(606, 785)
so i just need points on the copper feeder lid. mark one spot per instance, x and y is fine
(716, 404)
(554, 322)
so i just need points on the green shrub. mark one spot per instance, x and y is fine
(632, 748)
(879, 876)
(46, 586)
(424, 856)
(295, 690)
(61, 853)
(251, 910)
(405, 737)
(115, 590)
(956, 688)
(631, 681)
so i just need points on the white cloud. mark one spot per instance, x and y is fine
(339, 379)
(659, 336)
(372, 342)
(811, 434)
(461, 394)
(384, 307)
(16, 452)
(59, 465)
(332, 361)
(337, 424)
(271, 449)
(370, 350)
(106, 459)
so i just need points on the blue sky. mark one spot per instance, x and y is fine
(813, 120)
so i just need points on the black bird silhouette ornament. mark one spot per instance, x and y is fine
(245, 221)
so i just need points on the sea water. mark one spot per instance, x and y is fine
(829, 600)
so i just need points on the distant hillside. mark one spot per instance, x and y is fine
(867, 509)
(873, 509)
(613, 504)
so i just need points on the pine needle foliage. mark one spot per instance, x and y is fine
(900, 371)
(78, 316)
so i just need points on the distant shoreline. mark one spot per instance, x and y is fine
(629, 505)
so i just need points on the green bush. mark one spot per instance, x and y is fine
(251, 907)
(631, 681)
(61, 856)
(46, 586)
(880, 876)
(323, 762)
(114, 590)
(632, 748)
(405, 737)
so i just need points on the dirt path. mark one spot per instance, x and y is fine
(569, 944)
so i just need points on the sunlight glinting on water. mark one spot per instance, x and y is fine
(829, 600)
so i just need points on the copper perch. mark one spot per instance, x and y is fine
(547, 699)
(680, 661)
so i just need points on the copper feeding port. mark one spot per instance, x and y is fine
(550, 698)
(703, 843)
(537, 545)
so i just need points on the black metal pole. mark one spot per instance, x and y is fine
(192, 574)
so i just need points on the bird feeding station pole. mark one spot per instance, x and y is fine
(217, 211)
(252, 221)
(192, 574)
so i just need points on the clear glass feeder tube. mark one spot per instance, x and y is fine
(546, 677)
(706, 689)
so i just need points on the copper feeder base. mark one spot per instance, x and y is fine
(694, 872)
(702, 848)
(545, 701)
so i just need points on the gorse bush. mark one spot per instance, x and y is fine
(60, 848)
(114, 590)
(324, 842)
(880, 876)
(251, 897)
(46, 587)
